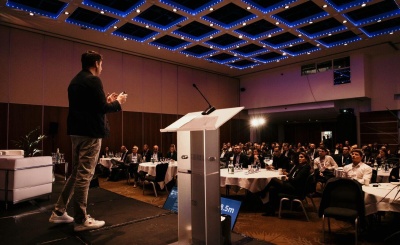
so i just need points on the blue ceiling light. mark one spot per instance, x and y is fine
(222, 58)
(373, 13)
(249, 50)
(339, 39)
(383, 27)
(169, 42)
(322, 28)
(89, 19)
(198, 51)
(282, 40)
(225, 41)
(303, 48)
(48, 8)
(134, 32)
(258, 29)
(195, 31)
(300, 14)
(243, 64)
(341, 5)
(118, 7)
(191, 7)
(229, 16)
(159, 17)
(269, 57)
(268, 6)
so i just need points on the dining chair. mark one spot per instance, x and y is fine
(161, 170)
(299, 198)
(342, 199)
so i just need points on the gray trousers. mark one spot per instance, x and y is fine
(85, 154)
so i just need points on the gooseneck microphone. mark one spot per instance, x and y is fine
(210, 107)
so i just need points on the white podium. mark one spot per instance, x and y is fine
(199, 207)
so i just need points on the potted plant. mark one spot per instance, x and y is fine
(30, 142)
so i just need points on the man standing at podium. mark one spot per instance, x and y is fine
(87, 125)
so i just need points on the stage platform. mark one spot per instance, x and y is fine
(128, 221)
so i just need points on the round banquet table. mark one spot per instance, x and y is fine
(106, 161)
(253, 182)
(150, 168)
(383, 176)
(384, 197)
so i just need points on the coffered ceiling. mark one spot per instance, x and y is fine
(228, 37)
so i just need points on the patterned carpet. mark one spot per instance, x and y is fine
(292, 228)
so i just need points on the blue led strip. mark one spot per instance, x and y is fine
(373, 18)
(113, 10)
(395, 26)
(227, 46)
(270, 60)
(230, 25)
(130, 37)
(322, 33)
(347, 5)
(282, 45)
(198, 55)
(195, 38)
(301, 52)
(250, 54)
(42, 12)
(301, 21)
(183, 8)
(261, 35)
(90, 26)
(271, 8)
(222, 62)
(341, 42)
(169, 47)
(156, 25)
(233, 64)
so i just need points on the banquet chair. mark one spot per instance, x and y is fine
(299, 198)
(342, 199)
(161, 170)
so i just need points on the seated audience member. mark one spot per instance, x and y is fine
(394, 175)
(293, 184)
(146, 153)
(106, 152)
(119, 165)
(312, 152)
(382, 157)
(171, 154)
(279, 160)
(239, 157)
(324, 166)
(344, 158)
(134, 159)
(357, 170)
(155, 154)
(338, 149)
(123, 159)
(255, 158)
(367, 158)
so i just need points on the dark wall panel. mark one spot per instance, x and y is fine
(114, 141)
(3, 125)
(168, 138)
(151, 129)
(133, 133)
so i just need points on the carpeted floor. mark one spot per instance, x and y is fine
(292, 228)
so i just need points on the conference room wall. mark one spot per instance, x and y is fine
(38, 68)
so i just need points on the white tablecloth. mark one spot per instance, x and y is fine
(254, 182)
(375, 201)
(383, 176)
(150, 168)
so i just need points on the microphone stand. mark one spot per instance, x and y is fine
(210, 107)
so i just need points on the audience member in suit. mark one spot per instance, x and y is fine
(279, 160)
(344, 158)
(146, 153)
(337, 150)
(119, 165)
(155, 154)
(287, 152)
(313, 152)
(171, 154)
(357, 170)
(123, 159)
(239, 157)
(368, 158)
(134, 159)
(256, 157)
(224, 156)
(394, 174)
(293, 184)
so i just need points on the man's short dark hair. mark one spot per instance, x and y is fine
(89, 59)
(359, 151)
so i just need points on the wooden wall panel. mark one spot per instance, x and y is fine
(3, 125)
(151, 129)
(4, 64)
(168, 138)
(133, 129)
(22, 120)
(114, 141)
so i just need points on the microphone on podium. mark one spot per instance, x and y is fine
(210, 107)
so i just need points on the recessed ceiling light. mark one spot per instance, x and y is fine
(318, 44)
(308, 52)
(264, 46)
(66, 13)
(211, 46)
(102, 12)
(244, 23)
(391, 33)
(277, 61)
(211, 37)
(115, 27)
(31, 14)
(240, 36)
(345, 21)
(363, 5)
(182, 37)
(174, 10)
(277, 23)
(125, 39)
(299, 35)
(184, 47)
(269, 35)
(310, 22)
(379, 21)
(287, 6)
(248, 8)
(325, 6)
(345, 44)
(154, 38)
(284, 53)
(158, 48)
(237, 46)
(235, 55)
(211, 9)
(137, 10)
(211, 24)
(187, 55)
(147, 26)
(330, 34)
(291, 45)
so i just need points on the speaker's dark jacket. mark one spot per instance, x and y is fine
(88, 106)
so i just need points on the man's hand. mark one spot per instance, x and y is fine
(122, 98)
(111, 97)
